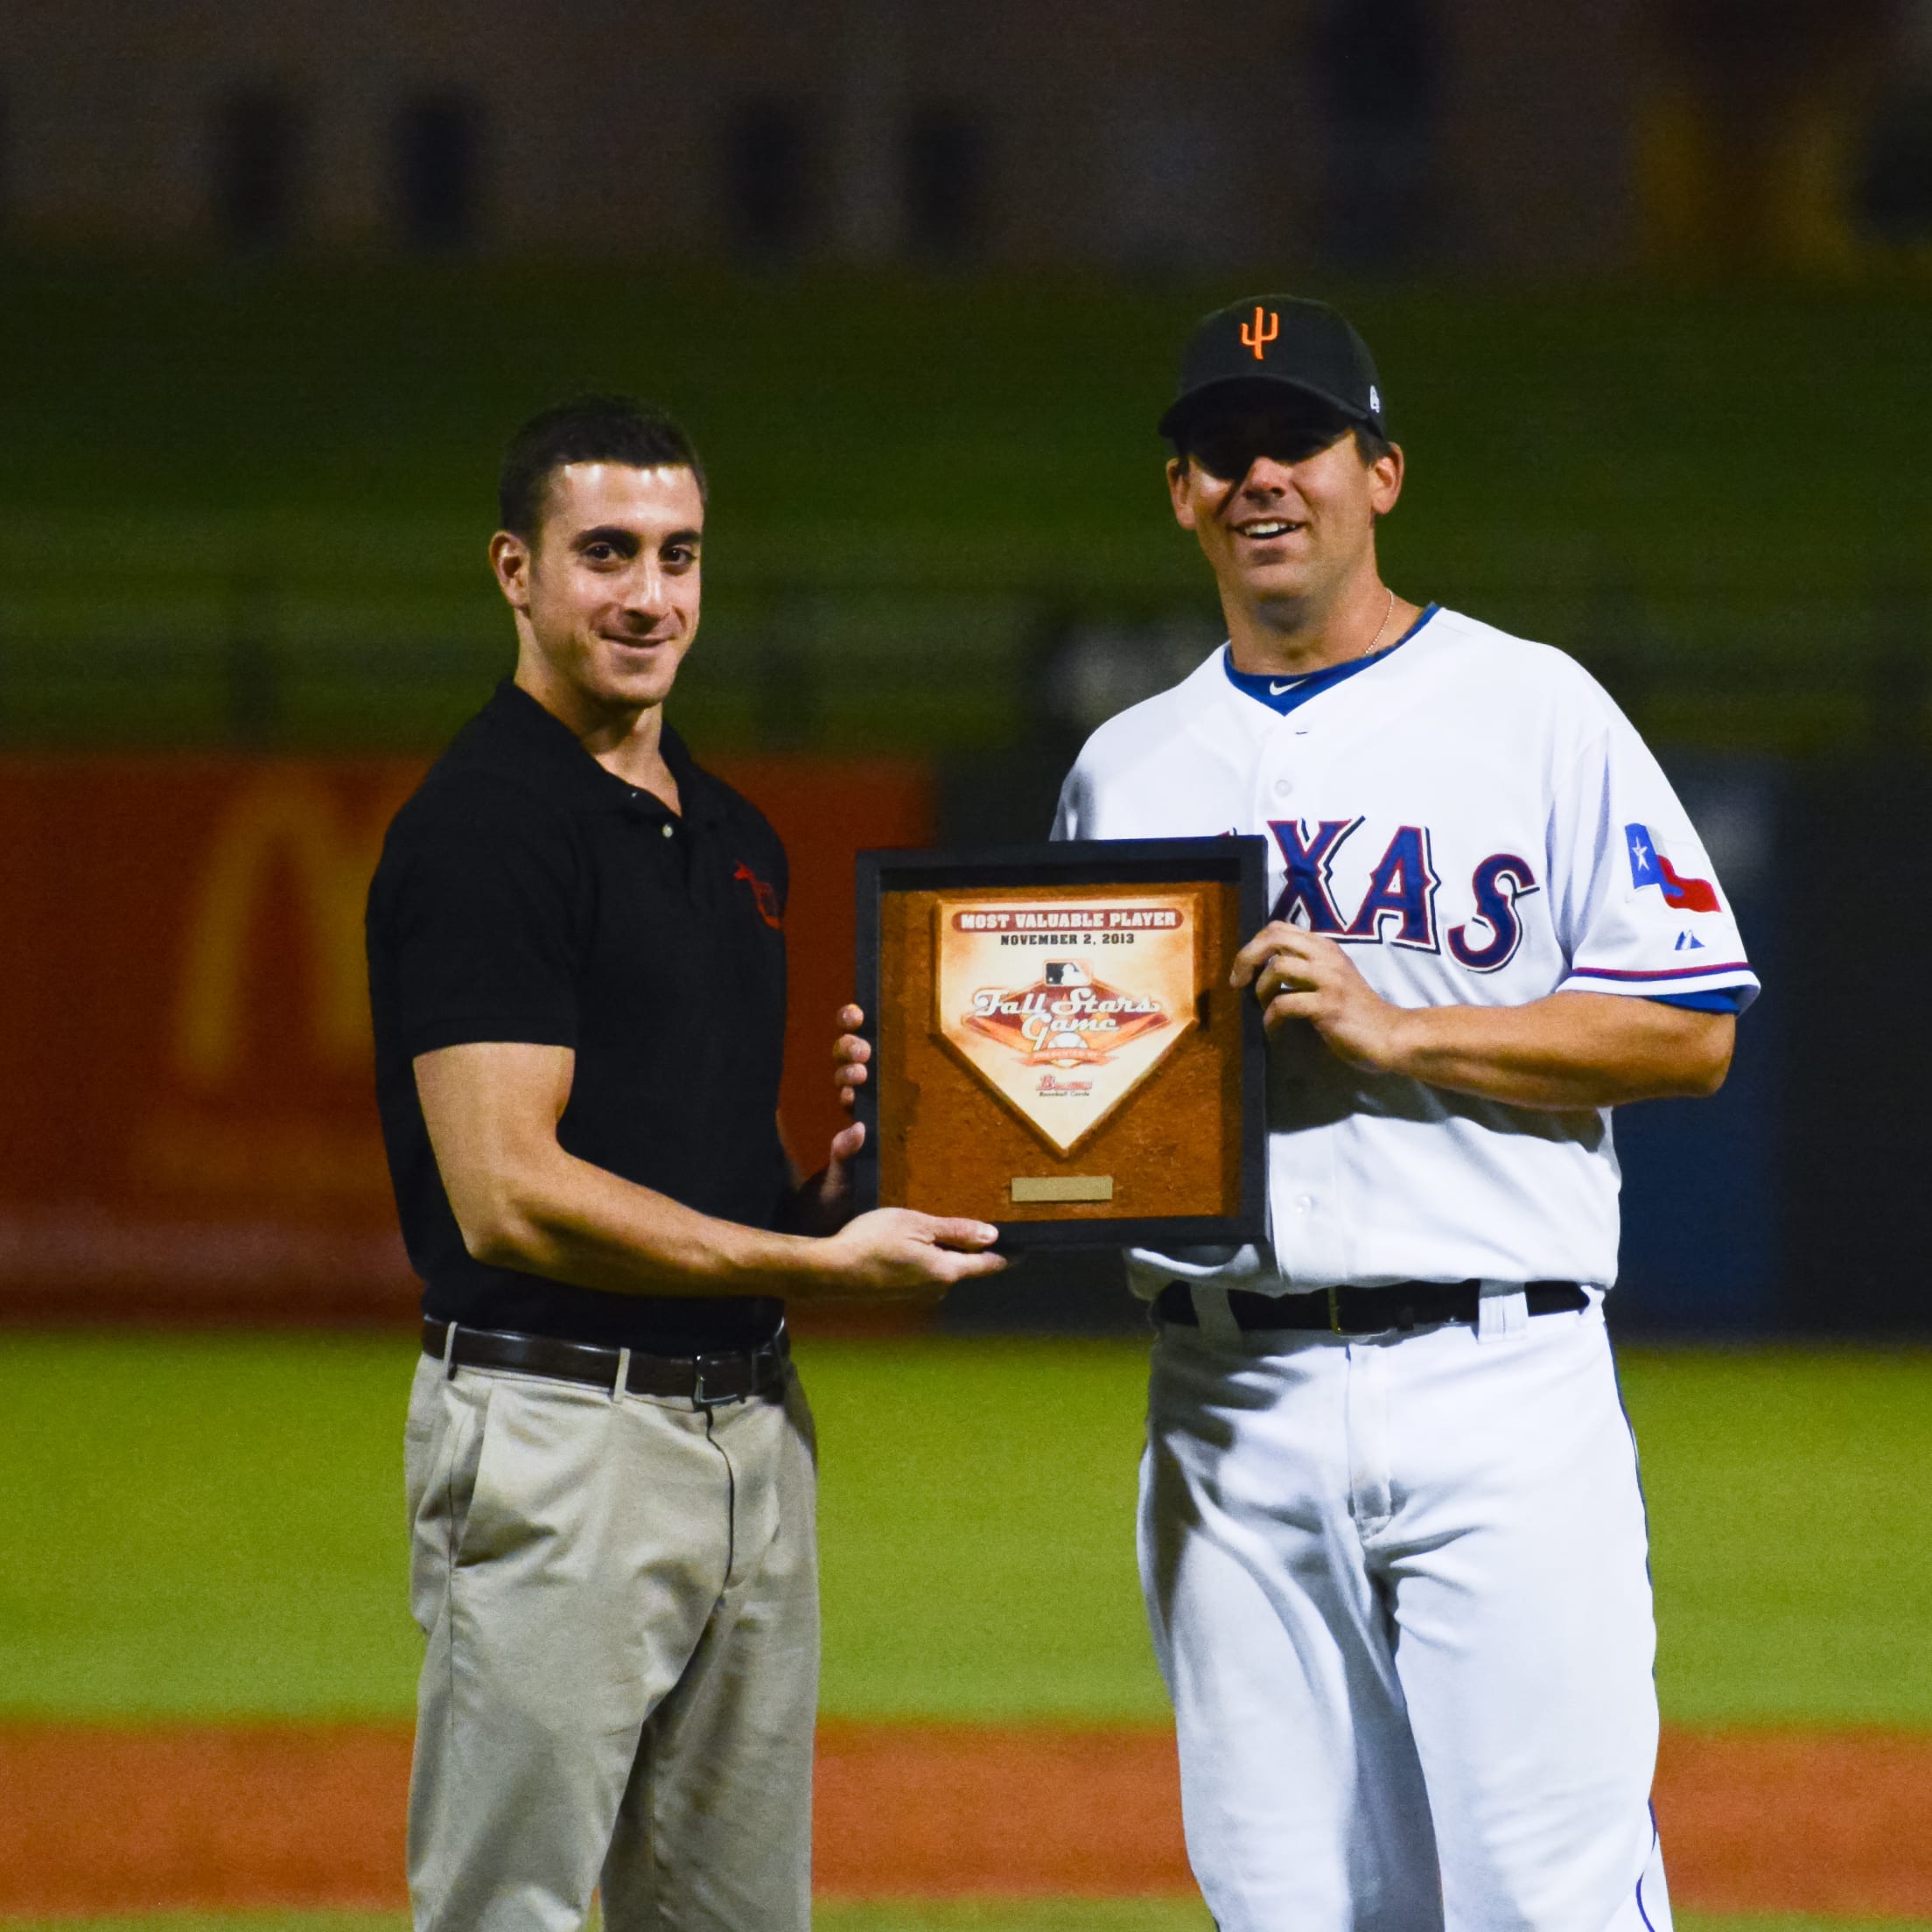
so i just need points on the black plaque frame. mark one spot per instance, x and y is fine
(1146, 863)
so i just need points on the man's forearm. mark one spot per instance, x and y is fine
(492, 1109)
(569, 1221)
(1570, 1051)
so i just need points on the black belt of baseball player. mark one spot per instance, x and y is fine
(1403, 1305)
(733, 1375)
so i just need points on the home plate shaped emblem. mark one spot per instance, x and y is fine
(1063, 1007)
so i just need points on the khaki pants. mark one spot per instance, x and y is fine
(620, 1597)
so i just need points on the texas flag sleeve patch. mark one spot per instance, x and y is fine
(1649, 866)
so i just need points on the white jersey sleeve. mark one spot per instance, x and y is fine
(1637, 906)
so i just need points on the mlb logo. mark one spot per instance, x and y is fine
(1066, 972)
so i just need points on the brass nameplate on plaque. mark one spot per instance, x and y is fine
(1050, 1187)
(1063, 1010)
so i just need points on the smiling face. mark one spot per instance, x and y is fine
(605, 593)
(1283, 504)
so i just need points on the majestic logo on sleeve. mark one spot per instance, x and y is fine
(1064, 1008)
(1649, 866)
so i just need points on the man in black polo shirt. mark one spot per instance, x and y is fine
(577, 967)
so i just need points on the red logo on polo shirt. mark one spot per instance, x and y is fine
(766, 898)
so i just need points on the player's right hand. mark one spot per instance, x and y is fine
(900, 1251)
(1299, 975)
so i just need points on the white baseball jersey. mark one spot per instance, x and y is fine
(1476, 820)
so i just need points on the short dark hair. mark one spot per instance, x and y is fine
(586, 429)
(1370, 445)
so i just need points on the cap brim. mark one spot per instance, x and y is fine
(1183, 406)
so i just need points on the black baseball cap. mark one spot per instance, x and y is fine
(1280, 340)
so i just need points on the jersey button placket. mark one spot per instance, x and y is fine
(1283, 746)
(1271, 796)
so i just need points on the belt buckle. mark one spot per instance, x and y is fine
(716, 1363)
(1334, 1310)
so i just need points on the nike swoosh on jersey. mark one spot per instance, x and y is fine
(1275, 690)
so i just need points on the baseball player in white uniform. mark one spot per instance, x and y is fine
(1391, 1535)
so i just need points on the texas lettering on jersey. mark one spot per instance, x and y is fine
(1399, 907)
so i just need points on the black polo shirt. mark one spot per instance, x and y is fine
(526, 893)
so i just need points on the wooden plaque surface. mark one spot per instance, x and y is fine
(1148, 1128)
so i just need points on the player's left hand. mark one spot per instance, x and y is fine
(1299, 975)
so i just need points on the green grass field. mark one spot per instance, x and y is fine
(907, 471)
(213, 1527)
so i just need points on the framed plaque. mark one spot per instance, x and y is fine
(1055, 1045)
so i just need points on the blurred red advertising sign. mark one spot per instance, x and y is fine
(188, 1123)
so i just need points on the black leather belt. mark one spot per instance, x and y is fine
(1404, 1306)
(732, 1376)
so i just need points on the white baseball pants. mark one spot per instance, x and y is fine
(620, 1596)
(1399, 1590)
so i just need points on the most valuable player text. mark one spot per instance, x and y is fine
(1071, 919)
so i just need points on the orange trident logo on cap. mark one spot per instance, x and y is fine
(1257, 334)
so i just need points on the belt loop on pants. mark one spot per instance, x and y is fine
(1215, 1317)
(1503, 1308)
(449, 1353)
(623, 1371)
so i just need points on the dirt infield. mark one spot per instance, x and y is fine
(94, 1819)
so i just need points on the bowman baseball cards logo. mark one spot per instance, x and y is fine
(1063, 1009)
